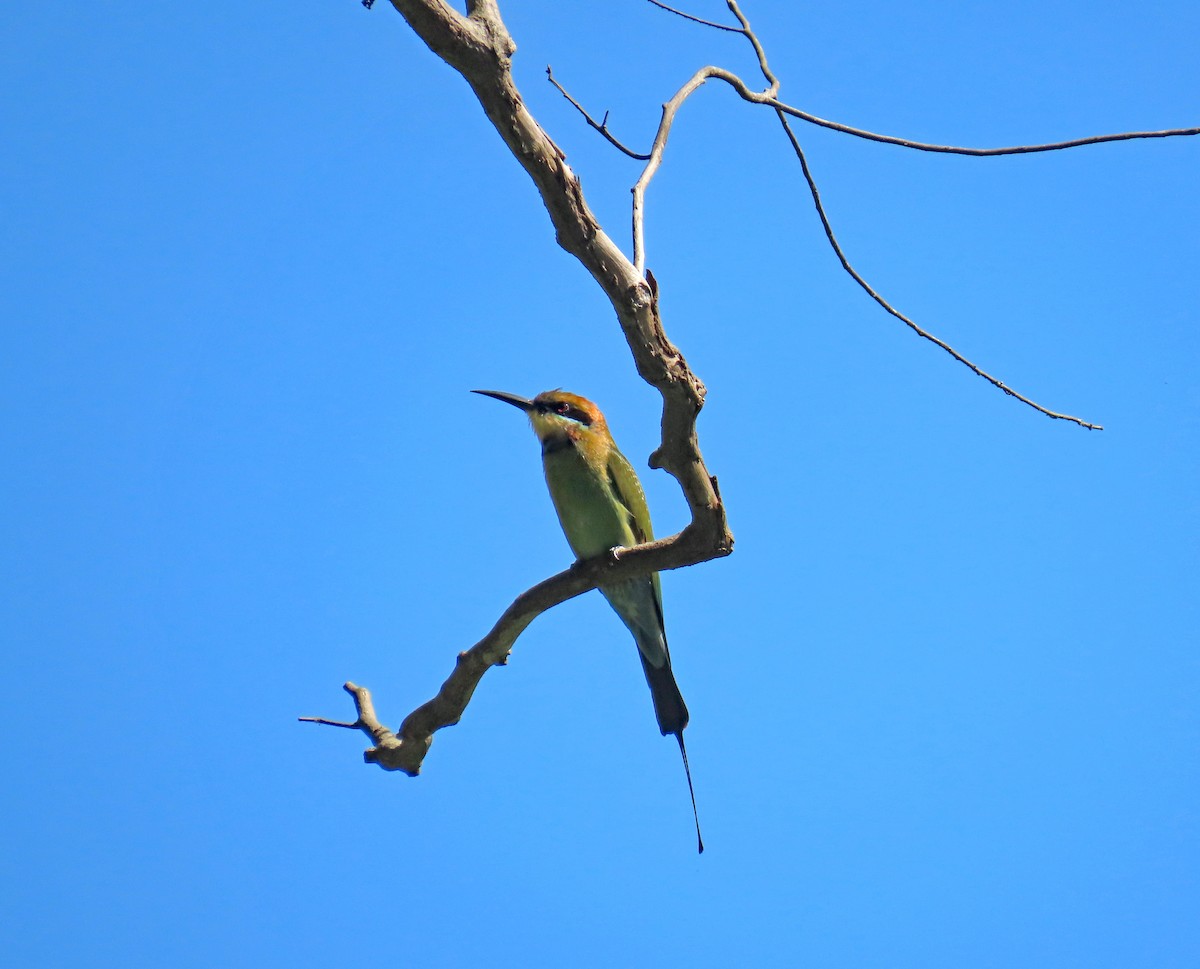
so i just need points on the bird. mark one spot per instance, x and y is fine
(602, 509)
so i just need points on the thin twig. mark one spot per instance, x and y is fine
(695, 20)
(745, 92)
(855, 275)
(669, 110)
(870, 291)
(761, 54)
(390, 752)
(976, 152)
(601, 127)
(356, 725)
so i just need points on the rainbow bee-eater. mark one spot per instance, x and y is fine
(601, 507)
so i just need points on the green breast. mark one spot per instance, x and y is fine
(590, 514)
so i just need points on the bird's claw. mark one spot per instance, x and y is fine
(615, 552)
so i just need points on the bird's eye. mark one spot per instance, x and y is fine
(563, 407)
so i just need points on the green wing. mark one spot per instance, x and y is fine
(628, 491)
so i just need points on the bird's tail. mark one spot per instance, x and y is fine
(672, 715)
(669, 708)
(692, 791)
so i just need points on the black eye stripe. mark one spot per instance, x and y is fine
(563, 409)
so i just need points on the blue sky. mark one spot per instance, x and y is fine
(944, 693)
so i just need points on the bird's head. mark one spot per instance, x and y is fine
(558, 416)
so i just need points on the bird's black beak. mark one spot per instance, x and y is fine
(525, 404)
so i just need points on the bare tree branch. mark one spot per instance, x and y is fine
(389, 752)
(980, 152)
(480, 48)
(695, 20)
(870, 291)
(769, 99)
(601, 126)
(772, 81)
(406, 749)
(670, 110)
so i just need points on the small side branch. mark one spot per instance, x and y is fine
(693, 19)
(601, 126)
(669, 110)
(978, 152)
(388, 752)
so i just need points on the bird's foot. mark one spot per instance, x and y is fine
(615, 553)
